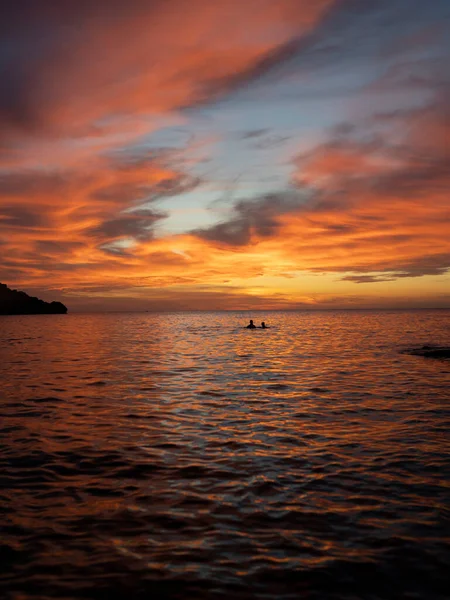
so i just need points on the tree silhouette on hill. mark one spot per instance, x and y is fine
(13, 302)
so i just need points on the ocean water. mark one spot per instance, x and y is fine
(183, 456)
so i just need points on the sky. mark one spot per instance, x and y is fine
(229, 155)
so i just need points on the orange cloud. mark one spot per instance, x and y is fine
(80, 214)
(97, 61)
(361, 207)
(359, 218)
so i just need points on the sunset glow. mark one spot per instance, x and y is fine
(186, 155)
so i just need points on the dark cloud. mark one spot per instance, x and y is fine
(137, 155)
(235, 232)
(166, 258)
(15, 273)
(179, 183)
(421, 179)
(142, 164)
(254, 133)
(258, 216)
(113, 250)
(122, 193)
(56, 247)
(139, 192)
(366, 278)
(17, 215)
(138, 224)
(26, 183)
(431, 264)
(270, 141)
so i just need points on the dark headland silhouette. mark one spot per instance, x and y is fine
(13, 302)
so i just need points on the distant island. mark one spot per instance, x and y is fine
(13, 302)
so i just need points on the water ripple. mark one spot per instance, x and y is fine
(180, 456)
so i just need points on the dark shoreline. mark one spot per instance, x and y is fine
(14, 302)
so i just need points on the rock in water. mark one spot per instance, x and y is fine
(13, 302)
(431, 351)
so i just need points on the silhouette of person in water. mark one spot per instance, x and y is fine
(263, 326)
(251, 325)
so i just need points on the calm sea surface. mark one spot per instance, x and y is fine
(182, 456)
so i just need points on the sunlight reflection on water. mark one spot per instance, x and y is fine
(186, 456)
